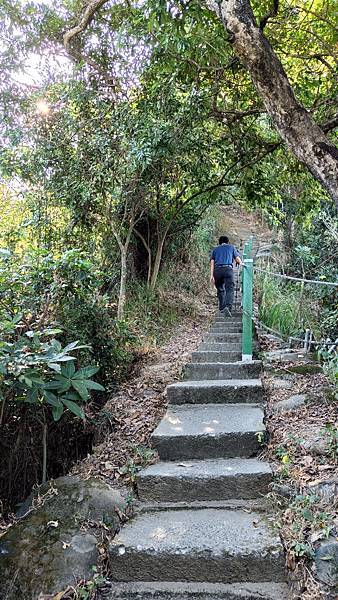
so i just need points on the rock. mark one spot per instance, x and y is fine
(326, 560)
(158, 369)
(325, 489)
(288, 355)
(290, 403)
(283, 490)
(281, 383)
(49, 547)
(306, 369)
(317, 445)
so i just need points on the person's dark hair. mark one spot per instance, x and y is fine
(223, 240)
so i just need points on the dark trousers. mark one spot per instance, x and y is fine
(224, 282)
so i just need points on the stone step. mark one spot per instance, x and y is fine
(216, 392)
(211, 356)
(226, 370)
(213, 479)
(225, 324)
(223, 337)
(249, 505)
(234, 314)
(219, 347)
(227, 321)
(225, 328)
(198, 591)
(231, 321)
(209, 431)
(206, 545)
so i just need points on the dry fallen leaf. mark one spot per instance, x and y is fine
(53, 524)
(59, 595)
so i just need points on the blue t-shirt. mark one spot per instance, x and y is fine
(224, 254)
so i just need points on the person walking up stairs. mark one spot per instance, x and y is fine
(222, 260)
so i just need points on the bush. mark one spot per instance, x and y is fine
(39, 382)
(285, 307)
(92, 321)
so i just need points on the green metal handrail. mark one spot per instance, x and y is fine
(247, 301)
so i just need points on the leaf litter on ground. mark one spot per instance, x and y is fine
(299, 451)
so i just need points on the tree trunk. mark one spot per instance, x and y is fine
(2, 411)
(302, 135)
(157, 263)
(44, 451)
(123, 246)
(148, 249)
(149, 268)
(123, 279)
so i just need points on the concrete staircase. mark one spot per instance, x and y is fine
(202, 530)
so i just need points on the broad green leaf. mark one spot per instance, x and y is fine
(92, 385)
(54, 367)
(74, 408)
(86, 372)
(57, 412)
(68, 370)
(52, 399)
(32, 396)
(17, 318)
(26, 380)
(62, 358)
(72, 346)
(62, 385)
(37, 380)
(72, 396)
(81, 389)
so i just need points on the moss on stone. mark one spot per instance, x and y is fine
(47, 549)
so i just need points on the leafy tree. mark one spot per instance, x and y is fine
(304, 137)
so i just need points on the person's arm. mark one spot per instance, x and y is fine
(212, 266)
(237, 257)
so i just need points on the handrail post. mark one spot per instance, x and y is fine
(250, 242)
(247, 310)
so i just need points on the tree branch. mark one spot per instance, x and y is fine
(76, 55)
(272, 13)
(329, 125)
(85, 20)
(235, 115)
(142, 238)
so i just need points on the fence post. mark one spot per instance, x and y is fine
(244, 257)
(249, 250)
(247, 310)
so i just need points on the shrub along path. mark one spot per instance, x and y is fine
(202, 529)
